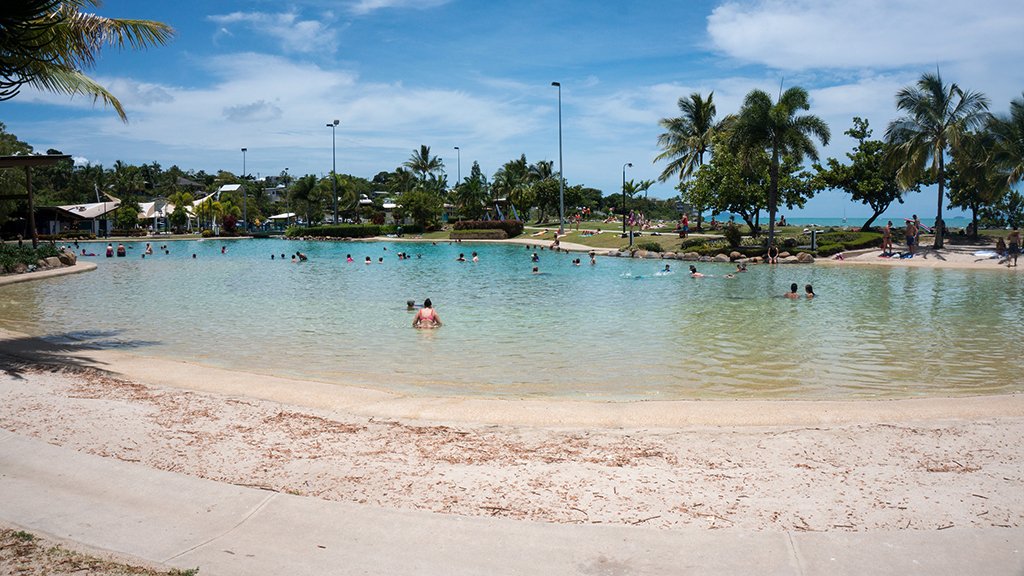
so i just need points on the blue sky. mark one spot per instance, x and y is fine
(269, 76)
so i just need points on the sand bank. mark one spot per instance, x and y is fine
(961, 257)
(43, 274)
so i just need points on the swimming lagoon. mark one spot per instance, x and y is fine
(619, 330)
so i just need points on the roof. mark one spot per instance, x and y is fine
(230, 188)
(283, 216)
(91, 210)
(155, 209)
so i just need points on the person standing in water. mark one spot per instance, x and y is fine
(426, 317)
(808, 291)
(792, 294)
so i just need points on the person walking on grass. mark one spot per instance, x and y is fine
(1013, 246)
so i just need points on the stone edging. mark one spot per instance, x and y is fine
(50, 273)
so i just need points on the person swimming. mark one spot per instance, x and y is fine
(792, 295)
(426, 317)
(461, 258)
(348, 258)
(694, 273)
(368, 261)
(808, 291)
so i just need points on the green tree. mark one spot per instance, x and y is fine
(512, 182)
(937, 117)
(423, 206)
(472, 194)
(688, 137)
(423, 163)
(307, 199)
(778, 128)
(976, 180)
(869, 178)
(182, 201)
(126, 217)
(1009, 134)
(48, 43)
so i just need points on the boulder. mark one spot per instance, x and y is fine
(668, 255)
(40, 263)
(788, 260)
(19, 268)
(734, 255)
(754, 260)
(640, 254)
(784, 255)
(67, 258)
(804, 258)
(53, 262)
(691, 256)
(722, 258)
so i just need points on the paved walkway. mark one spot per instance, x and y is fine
(185, 522)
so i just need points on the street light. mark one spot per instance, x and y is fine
(561, 177)
(334, 168)
(245, 210)
(459, 152)
(624, 166)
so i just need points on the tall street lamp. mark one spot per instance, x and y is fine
(624, 215)
(334, 167)
(459, 152)
(245, 209)
(561, 177)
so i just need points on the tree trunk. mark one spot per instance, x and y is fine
(867, 225)
(773, 194)
(974, 222)
(938, 211)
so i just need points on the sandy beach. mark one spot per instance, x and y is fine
(886, 465)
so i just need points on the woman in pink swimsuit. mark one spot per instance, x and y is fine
(426, 317)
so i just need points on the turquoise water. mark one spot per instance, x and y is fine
(617, 330)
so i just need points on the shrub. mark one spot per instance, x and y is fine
(512, 228)
(207, 233)
(830, 249)
(649, 246)
(733, 235)
(128, 232)
(847, 241)
(490, 234)
(11, 255)
(402, 229)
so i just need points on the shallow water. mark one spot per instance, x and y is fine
(617, 330)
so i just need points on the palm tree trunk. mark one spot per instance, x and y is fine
(942, 194)
(773, 194)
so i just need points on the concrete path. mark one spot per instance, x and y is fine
(187, 522)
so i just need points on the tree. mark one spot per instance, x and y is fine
(179, 216)
(472, 194)
(48, 43)
(304, 197)
(422, 206)
(937, 117)
(1009, 134)
(869, 178)
(422, 163)
(512, 183)
(776, 127)
(975, 178)
(541, 176)
(688, 137)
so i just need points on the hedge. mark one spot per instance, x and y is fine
(11, 255)
(337, 231)
(491, 234)
(831, 243)
(512, 228)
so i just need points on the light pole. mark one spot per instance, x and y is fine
(245, 208)
(334, 168)
(459, 152)
(624, 215)
(561, 177)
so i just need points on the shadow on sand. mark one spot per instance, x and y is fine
(55, 352)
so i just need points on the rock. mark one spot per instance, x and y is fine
(40, 263)
(53, 262)
(804, 258)
(721, 258)
(67, 258)
(19, 268)
(788, 260)
(668, 255)
(754, 260)
(691, 256)
(734, 255)
(784, 255)
(640, 254)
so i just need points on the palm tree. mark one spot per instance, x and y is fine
(938, 115)
(762, 125)
(1009, 134)
(976, 179)
(688, 137)
(512, 182)
(422, 163)
(48, 43)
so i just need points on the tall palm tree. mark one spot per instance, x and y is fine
(976, 179)
(777, 128)
(48, 43)
(512, 182)
(688, 137)
(1009, 134)
(937, 116)
(422, 163)
(541, 170)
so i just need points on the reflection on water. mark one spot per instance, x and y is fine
(616, 330)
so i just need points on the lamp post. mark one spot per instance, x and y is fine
(561, 177)
(624, 215)
(245, 210)
(459, 152)
(334, 167)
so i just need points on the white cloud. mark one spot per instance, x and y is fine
(294, 34)
(363, 7)
(886, 34)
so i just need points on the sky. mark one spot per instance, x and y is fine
(269, 76)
